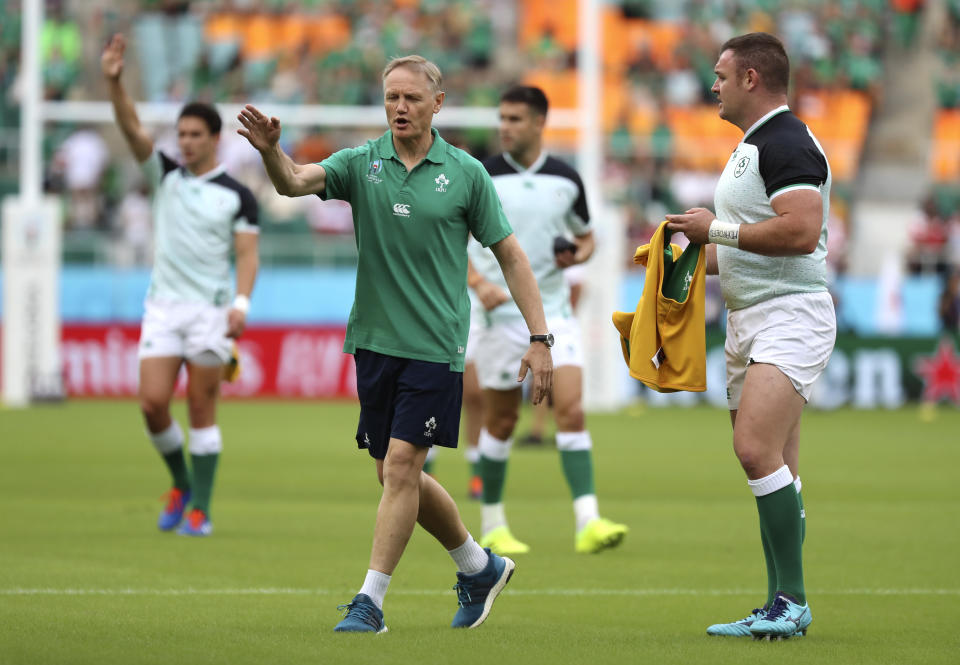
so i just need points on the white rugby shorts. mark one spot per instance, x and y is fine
(501, 346)
(795, 333)
(184, 330)
(477, 324)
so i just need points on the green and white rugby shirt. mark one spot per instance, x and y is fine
(195, 218)
(541, 202)
(778, 154)
(411, 231)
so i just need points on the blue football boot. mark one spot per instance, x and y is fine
(362, 616)
(476, 593)
(784, 619)
(172, 515)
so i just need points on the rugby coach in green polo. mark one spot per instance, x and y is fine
(415, 200)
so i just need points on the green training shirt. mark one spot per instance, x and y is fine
(411, 230)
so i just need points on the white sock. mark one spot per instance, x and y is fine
(774, 482)
(169, 440)
(585, 508)
(493, 448)
(469, 557)
(472, 453)
(797, 484)
(375, 585)
(492, 516)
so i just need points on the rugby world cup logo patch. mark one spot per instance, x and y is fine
(373, 173)
(741, 167)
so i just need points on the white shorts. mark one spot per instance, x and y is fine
(477, 316)
(795, 333)
(184, 330)
(501, 346)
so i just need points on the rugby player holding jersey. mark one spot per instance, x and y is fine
(191, 315)
(769, 245)
(543, 199)
(415, 200)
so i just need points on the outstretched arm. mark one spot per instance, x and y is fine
(523, 287)
(111, 64)
(288, 177)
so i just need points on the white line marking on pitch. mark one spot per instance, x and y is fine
(280, 591)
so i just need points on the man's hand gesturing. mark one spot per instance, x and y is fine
(262, 132)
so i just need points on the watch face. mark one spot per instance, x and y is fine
(547, 339)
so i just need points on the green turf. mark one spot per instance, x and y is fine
(293, 513)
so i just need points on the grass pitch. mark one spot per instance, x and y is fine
(85, 577)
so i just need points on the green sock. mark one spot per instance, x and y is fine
(178, 469)
(494, 474)
(578, 470)
(475, 467)
(771, 569)
(428, 466)
(780, 520)
(204, 469)
(803, 519)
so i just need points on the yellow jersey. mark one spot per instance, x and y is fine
(664, 341)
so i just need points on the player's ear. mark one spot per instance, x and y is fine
(438, 101)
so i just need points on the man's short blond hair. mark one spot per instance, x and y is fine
(420, 64)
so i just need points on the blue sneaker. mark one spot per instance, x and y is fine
(172, 515)
(196, 524)
(361, 616)
(784, 619)
(739, 628)
(476, 593)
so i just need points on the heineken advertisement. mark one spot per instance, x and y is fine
(865, 373)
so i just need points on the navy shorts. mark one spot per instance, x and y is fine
(412, 400)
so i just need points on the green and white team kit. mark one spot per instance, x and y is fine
(195, 218)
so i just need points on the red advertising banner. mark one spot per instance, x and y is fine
(294, 362)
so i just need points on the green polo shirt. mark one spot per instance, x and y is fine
(411, 231)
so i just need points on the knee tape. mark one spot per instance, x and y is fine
(573, 441)
(169, 440)
(205, 441)
(493, 448)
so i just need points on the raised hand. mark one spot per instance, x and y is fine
(111, 60)
(262, 132)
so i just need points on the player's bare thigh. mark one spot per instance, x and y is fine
(769, 415)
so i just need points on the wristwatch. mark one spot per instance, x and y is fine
(546, 339)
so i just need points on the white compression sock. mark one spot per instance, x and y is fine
(585, 508)
(375, 585)
(469, 557)
(492, 516)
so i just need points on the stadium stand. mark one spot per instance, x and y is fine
(665, 143)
